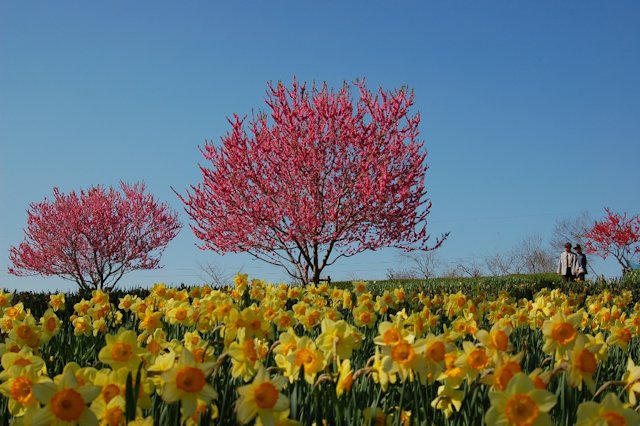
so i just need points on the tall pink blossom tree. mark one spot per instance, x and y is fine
(319, 177)
(96, 236)
(616, 235)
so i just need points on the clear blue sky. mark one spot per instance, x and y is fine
(531, 110)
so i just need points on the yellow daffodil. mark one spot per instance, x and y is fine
(255, 324)
(435, 350)
(379, 374)
(82, 326)
(448, 400)
(520, 404)
(261, 398)
(5, 299)
(608, 412)
(505, 368)
(345, 378)
(405, 359)
(452, 375)
(121, 350)
(363, 316)
(631, 378)
(306, 357)
(150, 321)
(57, 301)
(583, 363)
(244, 355)
(619, 335)
(17, 360)
(496, 340)
(18, 388)
(26, 332)
(473, 360)
(111, 413)
(390, 334)
(180, 313)
(540, 378)
(49, 325)
(338, 338)
(64, 401)
(186, 382)
(560, 333)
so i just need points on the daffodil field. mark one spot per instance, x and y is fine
(264, 354)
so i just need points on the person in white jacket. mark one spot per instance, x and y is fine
(567, 263)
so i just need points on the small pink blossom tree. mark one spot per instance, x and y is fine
(96, 236)
(616, 235)
(318, 178)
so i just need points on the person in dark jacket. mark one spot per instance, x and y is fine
(581, 263)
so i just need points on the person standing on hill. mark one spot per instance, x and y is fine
(581, 263)
(567, 263)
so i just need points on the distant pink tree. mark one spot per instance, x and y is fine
(94, 237)
(616, 235)
(318, 178)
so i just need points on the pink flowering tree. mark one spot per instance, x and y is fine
(616, 235)
(94, 237)
(317, 178)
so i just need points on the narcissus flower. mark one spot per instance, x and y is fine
(306, 356)
(244, 356)
(363, 316)
(50, 325)
(540, 378)
(473, 361)
(5, 299)
(379, 374)
(496, 340)
(110, 413)
(345, 378)
(521, 404)
(338, 338)
(57, 301)
(405, 359)
(506, 367)
(20, 359)
(261, 398)
(448, 400)
(122, 350)
(583, 363)
(452, 374)
(26, 332)
(608, 412)
(186, 382)
(436, 348)
(619, 336)
(19, 389)
(390, 334)
(560, 332)
(631, 378)
(64, 401)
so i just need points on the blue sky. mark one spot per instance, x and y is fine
(530, 110)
